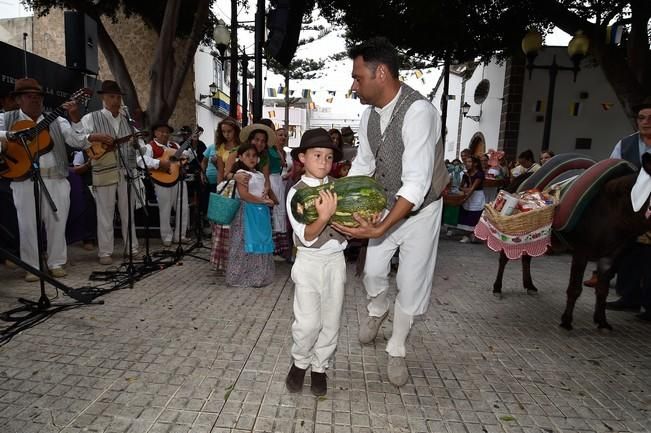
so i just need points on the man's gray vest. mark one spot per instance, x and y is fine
(328, 232)
(105, 169)
(60, 169)
(389, 147)
(630, 149)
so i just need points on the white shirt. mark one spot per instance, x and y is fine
(332, 246)
(73, 135)
(421, 130)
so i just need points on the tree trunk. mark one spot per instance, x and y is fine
(119, 70)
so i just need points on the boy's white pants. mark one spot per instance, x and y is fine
(55, 223)
(169, 198)
(318, 300)
(105, 197)
(417, 237)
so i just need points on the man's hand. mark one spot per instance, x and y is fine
(164, 166)
(326, 205)
(73, 111)
(105, 139)
(368, 229)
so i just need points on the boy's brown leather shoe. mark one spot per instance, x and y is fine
(319, 384)
(294, 380)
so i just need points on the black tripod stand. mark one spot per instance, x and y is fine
(34, 311)
(198, 215)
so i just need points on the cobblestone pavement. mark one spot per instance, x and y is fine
(181, 352)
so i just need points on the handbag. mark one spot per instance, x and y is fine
(222, 209)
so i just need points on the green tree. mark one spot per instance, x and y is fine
(465, 30)
(179, 28)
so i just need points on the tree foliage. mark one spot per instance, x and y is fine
(463, 30)
(181, 25)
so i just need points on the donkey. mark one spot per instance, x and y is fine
(605, 229)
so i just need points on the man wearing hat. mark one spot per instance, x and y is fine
(348, 137)
(110, 172)
(319, 272)
(28, 94)
(169, 197)
(633, 273)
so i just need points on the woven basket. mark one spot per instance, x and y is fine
(523, 222)
(453, 199)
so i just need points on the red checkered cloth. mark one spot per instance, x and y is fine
(221, 240)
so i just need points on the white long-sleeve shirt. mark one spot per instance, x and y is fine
(643, 147)
(421, 130)
(153, 162)
(72, 134)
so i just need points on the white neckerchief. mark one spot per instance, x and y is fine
(641, 191)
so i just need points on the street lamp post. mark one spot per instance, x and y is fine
(577, 49)
(222, 39)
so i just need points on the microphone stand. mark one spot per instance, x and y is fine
(129, 179)
(198, 227)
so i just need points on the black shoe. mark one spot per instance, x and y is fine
(621, 305)
(644, 316)
(319, 384)
(295, 378)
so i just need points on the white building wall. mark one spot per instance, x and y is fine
(454, 111)
(604, 127)
(489, 111)
(205, 74)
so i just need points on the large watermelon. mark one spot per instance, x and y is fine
(355, 194)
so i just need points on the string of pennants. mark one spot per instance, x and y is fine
(574, 107)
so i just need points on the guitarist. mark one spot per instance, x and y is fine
(169, 197)
(110, 171)
(28, 94)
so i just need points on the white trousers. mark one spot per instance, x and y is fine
(105, 199)
(170, 198)
(55, 223)
(318, 300)
(417, 237)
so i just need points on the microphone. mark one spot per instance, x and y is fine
(125, 111)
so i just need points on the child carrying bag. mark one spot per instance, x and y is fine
(222, 209)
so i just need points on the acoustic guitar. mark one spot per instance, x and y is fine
(16, 161)
(174, 156)
(98, 149)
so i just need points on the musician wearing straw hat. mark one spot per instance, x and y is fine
(29, 94)
(110, 171)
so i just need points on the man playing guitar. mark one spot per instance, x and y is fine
(168, 196)
(110, 171)
(54, 170)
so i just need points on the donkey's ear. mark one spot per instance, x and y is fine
(646, 162)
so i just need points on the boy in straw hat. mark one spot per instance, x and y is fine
(319, 272)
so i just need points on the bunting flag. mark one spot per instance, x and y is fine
(272, 114)
(607, 105)
(539, 107)
(311, 106)
(329, 100)
(418, 73)
(291, 92)
(307, 93)
(271, 92)
(575, 108)
(349, 93)
(281, 90)
(332, 92)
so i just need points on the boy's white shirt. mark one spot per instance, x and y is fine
(332, 246)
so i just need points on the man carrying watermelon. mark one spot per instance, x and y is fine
(400, 145)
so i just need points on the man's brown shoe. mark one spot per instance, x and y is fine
(295, 378)
(592, 282)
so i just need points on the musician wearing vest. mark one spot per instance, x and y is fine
(319, 272)
(633, 272)
(169, 197)
(54, 170)
(110, 171)
(400, 145)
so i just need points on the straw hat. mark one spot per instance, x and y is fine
(246, 132)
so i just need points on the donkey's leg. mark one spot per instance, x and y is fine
(574, 288)
(527, 282)
(605, 272)
(497, 285)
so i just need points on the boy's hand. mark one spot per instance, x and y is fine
(326, 205)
